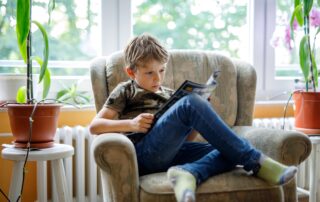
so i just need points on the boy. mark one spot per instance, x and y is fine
(130, 108)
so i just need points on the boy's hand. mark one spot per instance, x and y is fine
(142, 122)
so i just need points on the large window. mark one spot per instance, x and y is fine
(74, 38)
(195, 24)
(237, 28)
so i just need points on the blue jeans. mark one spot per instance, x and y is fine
(165, 144)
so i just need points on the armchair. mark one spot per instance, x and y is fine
(233, 100)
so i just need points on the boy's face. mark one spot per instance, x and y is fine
(148, 76)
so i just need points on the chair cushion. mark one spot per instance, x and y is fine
(223, 187)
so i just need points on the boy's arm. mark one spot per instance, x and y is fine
(105, 122)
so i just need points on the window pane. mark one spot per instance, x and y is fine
(195, 24)
(286, 49)
(73, 32)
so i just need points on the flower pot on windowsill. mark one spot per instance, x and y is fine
(44, 124)
(307, 112)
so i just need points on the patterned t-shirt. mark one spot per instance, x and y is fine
(130, 100)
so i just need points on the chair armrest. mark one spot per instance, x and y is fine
(115, 155)
(288, 147)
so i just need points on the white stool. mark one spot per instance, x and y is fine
(54, 154)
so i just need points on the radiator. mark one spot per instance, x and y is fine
(81, 169)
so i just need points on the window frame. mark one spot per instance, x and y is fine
(116, 30)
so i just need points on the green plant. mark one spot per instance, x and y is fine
(73, 95)
(307, 51)
(23, 31)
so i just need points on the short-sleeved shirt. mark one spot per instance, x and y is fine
(130, 100)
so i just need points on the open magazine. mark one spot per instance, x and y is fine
(187, 87)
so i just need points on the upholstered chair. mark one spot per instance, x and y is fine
(233, 99)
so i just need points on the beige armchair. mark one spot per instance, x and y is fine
(233, 100)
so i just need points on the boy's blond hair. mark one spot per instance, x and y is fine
(142, 49)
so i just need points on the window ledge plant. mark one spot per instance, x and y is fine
(306, 14)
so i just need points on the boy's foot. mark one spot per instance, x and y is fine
(275, 172)
(183, 183)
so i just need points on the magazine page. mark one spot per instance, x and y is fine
(187, 87)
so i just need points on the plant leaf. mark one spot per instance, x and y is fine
(23, 26)
(51, 7)
(61, 93)
(315, 70)
(45, 50)
(304, 54)
(38, 60)
(298, 13)
(46, 83)
(65, 97)
(21, 96)
(307, 6)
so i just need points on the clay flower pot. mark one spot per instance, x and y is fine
(307, 112)
(44, 124)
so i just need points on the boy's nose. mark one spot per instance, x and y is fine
(156, 77)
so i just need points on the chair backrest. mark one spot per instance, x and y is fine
(233, 99)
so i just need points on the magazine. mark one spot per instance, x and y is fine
(187, 87)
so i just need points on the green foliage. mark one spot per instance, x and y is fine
(21, 96)
(191, 30)
(65, 46)
(23, 30)
(307, 57)
(23, 26)
(73, 95)
(304, 54)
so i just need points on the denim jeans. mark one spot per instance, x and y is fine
(165, 144)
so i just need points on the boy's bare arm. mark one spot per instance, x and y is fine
(105, 122)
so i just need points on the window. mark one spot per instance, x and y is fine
(206, 25)
(237, 28)
(286, 51)
(74, 38)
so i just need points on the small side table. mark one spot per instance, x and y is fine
(55, 154)
(314, 191)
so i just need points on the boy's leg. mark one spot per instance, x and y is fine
(192, 156)
(168, 134)
(170, 131)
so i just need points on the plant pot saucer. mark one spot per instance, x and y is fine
(37, 145)
(309, 131)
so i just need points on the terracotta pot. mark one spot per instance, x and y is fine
(45, 122)
(307, 111)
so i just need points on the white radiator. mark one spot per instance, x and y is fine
(81, 169)
(277, 123)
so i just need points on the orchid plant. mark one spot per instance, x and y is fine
(306, 17)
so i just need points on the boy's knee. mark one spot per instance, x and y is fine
(194, 99)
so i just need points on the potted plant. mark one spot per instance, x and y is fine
(306, 14)
(33, 123)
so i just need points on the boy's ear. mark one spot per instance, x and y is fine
(129, 72)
